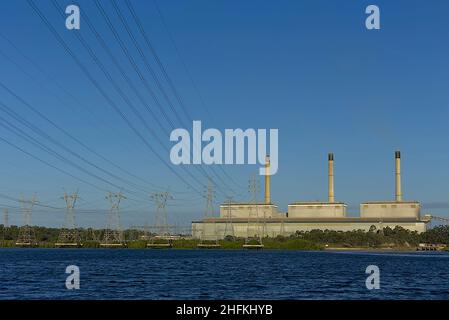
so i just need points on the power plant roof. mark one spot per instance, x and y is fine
(312, 203)
(316, 220)
(391, 202)
(236, 204)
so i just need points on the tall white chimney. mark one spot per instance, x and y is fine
(398, 176)
(331, 177)
(267, 180)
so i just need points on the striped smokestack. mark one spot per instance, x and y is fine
(330, 158)
(267, 180)
(397, 156)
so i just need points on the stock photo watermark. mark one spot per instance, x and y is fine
(73, 21)
(72, 282)
(373, 280)
(372, 22)
(188, 148)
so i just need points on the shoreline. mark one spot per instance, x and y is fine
(236, 248)
(399, 249)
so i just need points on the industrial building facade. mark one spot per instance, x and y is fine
(264, 220)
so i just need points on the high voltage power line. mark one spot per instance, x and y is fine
(206, 237)
(139, 72)
(137, 69)
(161, 67)
(116, 87)
(9, 126)
(103, 93)
(183, 63)
(113, 235)
(69, 235)
(36, 65)
(27, 238)
(34, 141)
(178, 53)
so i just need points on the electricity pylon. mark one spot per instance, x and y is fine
(6, 218)
(162, 236)
(282, 231)
(27, 237)
(5, 222)
(229, 227)
(253, 188)
(160, 223)
(93, 236)
(210, 197)
(113, 235)
(207, 239)
(69, 235)
(253, 230)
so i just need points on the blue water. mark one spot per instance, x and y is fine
(220, 274)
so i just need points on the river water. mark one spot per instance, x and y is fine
(221, 274)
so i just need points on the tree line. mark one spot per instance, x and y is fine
(387, 236)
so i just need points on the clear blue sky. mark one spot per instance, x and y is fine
(308, 68)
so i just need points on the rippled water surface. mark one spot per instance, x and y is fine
(220, 274)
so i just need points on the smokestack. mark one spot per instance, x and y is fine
(331, 177)
(397, 155)
(267, 180)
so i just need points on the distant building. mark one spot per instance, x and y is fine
(321, 210)
(238, 219)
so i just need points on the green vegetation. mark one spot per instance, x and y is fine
(291, 243)
(232, 243)
(185, 243)
(436, 235)
(137, 244)
(387, 237)
(91, 244)
(398, 238)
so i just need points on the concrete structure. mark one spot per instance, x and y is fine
(398, 188)
(244, 210)
(392, 209)
(288, 226)
(307, 216)
(318, 210)
(330, 159)
(267, 180)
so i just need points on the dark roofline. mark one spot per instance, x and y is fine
(316, 203)
(391, 202)
(233, 204)
(316, 220)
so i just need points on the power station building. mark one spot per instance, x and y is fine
(263, 219)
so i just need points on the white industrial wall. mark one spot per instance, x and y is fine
(247, 210)
(318, 210)
(271, 229)
(390, 210)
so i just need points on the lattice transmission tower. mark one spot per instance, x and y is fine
(210, 196)
(434, 219)
(113, 235)
(254, 228)
(161, 219)
(162, 237)
(209, 236)
(69, 235)
(5, 222)
(27, 238)
(229, 227)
